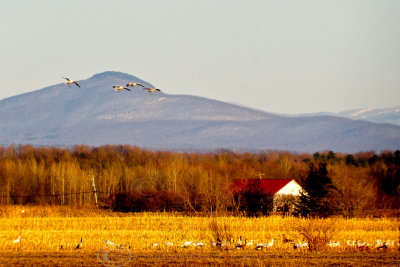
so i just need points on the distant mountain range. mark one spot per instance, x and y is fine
(96, 115)
(383, 115)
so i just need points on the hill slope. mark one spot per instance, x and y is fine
(95, 115)
(384, 115)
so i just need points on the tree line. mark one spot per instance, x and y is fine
(346, 184)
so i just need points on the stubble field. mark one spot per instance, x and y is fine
(49, 236)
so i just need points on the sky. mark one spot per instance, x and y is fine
(278, 56)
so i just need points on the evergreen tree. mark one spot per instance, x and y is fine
(303, 206)
(314, 201)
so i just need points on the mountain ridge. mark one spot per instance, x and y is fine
(97, 115)
(379, 115)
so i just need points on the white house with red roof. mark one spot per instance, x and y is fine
(284, 191)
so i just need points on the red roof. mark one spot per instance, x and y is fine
(268, 186)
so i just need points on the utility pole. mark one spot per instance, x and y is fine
(94, 190)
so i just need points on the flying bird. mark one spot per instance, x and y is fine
(151, 90)
(118, 88)
(69, 81)
(134, 84)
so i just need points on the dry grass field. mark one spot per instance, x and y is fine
(50, 235)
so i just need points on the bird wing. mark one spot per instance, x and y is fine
(77, 84)
(68, 79)
(140, 84)
(126, 88)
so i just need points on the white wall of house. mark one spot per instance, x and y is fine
(286, 196)
(292, 188)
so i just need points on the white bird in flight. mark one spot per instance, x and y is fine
(134, 84)
(151, 90)
(69, 81)
(118, 88)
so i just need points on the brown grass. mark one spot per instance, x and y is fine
(44, 229)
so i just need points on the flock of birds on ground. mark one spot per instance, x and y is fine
(118, 88)
(241, 244)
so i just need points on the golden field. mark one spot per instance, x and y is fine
(51, 234)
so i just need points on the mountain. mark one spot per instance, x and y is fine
(383, 115)
(96, 115)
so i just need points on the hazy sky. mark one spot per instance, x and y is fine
(278, 56)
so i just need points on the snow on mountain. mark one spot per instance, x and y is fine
(96, 115)
(385, 115)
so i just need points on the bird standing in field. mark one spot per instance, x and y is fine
(350, 244)
(151, 90)
(334, 244)
(260, 246)
(69, 81)
(269, 244)
(383, 247)
(187, 244)
(134, 84)
(299, 244)
(378, 243)
(109, 243)
(80, 245)
(240, 244)
(199, 244)
(16, 241)
(169, 244)
(118, 88)
(286, 240)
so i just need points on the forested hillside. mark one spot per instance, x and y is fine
(198, 182)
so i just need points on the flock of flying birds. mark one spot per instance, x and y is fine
(118, 88)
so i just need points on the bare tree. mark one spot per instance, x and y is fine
(353, 190)
(317, 233)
